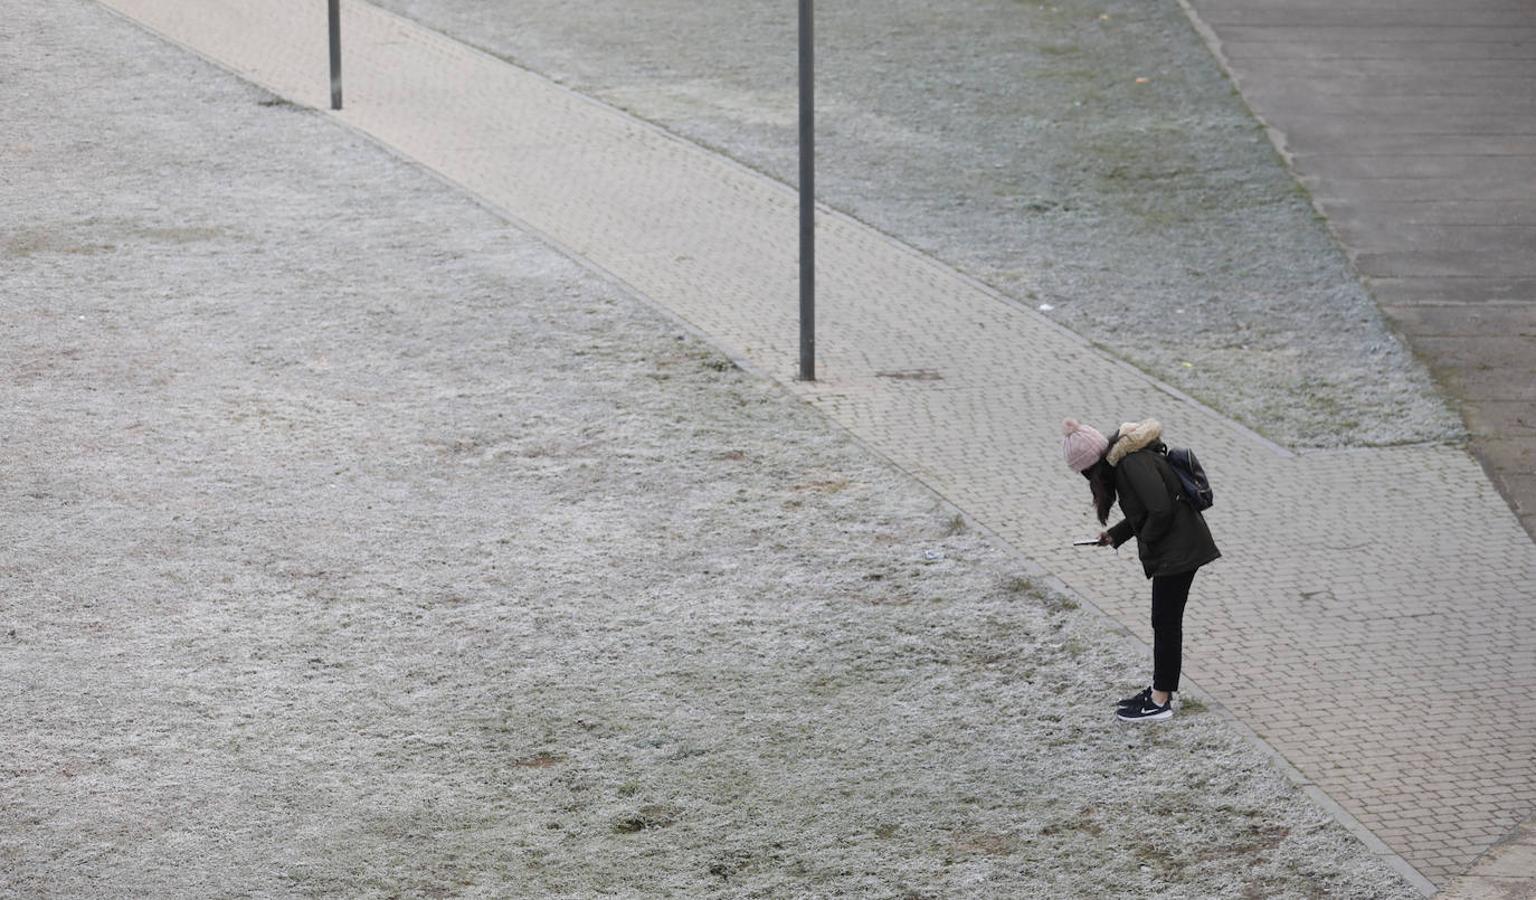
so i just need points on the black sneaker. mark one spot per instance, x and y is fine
(1135, 699)
(1147, 710)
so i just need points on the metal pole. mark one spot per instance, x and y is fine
(807, 200)
(335, 11)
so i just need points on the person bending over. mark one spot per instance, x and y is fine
(1172, 539)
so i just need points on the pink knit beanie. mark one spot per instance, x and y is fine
(1082, 445)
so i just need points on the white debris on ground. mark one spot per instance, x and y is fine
(357, 544)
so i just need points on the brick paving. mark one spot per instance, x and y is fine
(1372, 618)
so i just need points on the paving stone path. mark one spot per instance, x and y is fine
(1371, 619)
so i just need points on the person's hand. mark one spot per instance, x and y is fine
(1103, 539)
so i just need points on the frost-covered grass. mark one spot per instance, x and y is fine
(1089, 155)
(358, 545)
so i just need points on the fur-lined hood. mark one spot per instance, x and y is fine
(1131, 437)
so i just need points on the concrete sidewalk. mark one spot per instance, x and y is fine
(1415, 129)
(1352, 579)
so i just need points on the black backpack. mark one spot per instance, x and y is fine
(1195, 487)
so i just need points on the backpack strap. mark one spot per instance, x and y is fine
(1170, 478)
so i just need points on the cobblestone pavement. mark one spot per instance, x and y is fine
(1371, 618)
(1414, 133)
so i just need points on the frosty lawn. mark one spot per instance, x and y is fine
(358, 544)
(1088, 155)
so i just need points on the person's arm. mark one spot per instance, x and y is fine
(1120, 533)
(1151, 495)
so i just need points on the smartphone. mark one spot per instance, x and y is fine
(1092, 543)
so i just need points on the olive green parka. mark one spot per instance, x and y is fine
(1171, 535)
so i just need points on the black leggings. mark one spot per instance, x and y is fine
(1169, 594)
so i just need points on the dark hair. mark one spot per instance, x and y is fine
(1101, 480)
